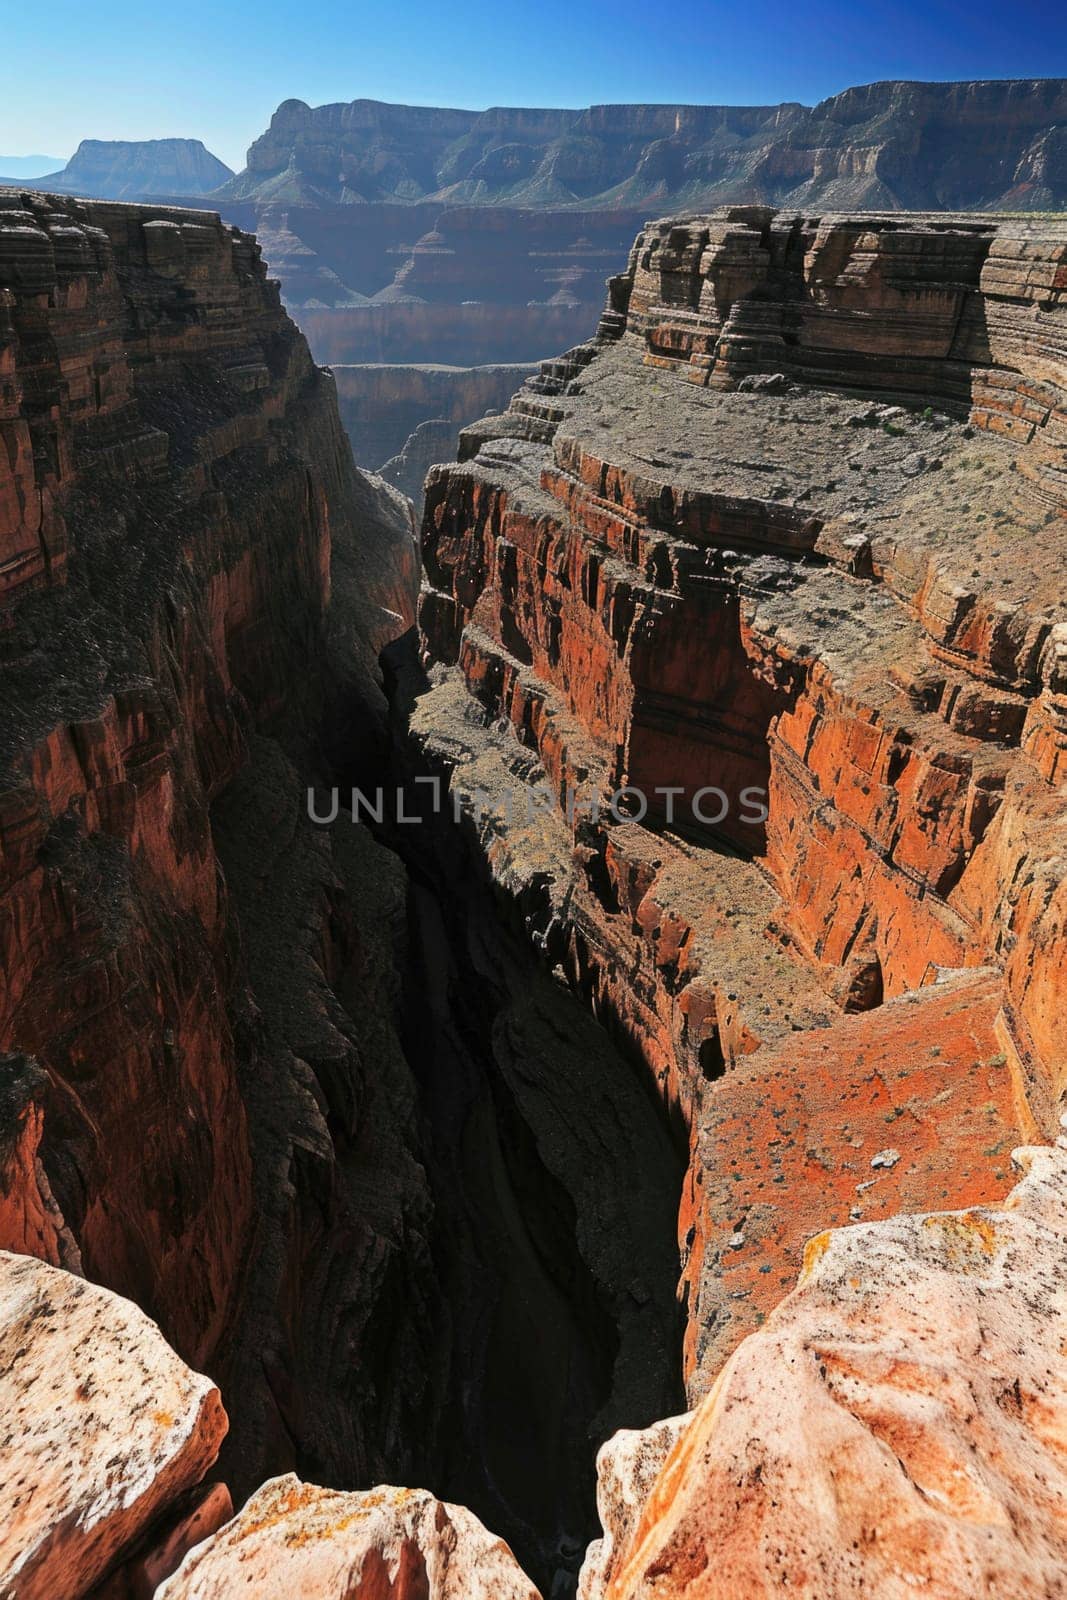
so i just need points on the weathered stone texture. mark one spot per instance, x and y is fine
(295, 1541)
(897, 1426)
(103, 1427)
(174, 478)
(793, 523)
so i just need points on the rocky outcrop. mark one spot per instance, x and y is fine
(899, 144)
(104, 1429)
(774, 566)
(898, 1425)
(294, 1540)
(131, 169)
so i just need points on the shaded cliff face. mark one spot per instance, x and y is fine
(792, 525)
(951, 145)
(121, 169)
(293, 1097)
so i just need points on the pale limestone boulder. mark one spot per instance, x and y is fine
(101, 1427)
(294, 1541)
(626, 1468)
(898, 1428)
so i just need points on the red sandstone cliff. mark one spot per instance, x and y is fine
(792, 524)
(172, 479)
(299, 1107)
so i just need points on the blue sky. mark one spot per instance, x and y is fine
(133, 69)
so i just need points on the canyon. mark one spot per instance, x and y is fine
(414, 235)
(724, 953)
(401, 420)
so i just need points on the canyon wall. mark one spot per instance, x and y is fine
(420, 285)
(173, 479)
(735, 915)
(293, 1097)
(776, 560)
(417, 234)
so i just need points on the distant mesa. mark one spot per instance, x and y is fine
(128, 169)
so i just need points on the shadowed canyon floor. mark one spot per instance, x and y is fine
(438, 1114)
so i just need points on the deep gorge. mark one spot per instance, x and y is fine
(527, 1185)
(449, 1148)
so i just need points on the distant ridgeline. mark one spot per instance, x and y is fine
(941, 146)
(407, 235)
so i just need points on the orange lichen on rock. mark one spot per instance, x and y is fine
(899, 1426)
(294, 1541)
(887, 1111)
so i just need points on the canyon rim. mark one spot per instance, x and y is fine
(533, 1057)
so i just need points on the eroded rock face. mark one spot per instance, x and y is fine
(898, 1425)
(792, 528)
(903, 145)
(173, 484)
(299, 1104)
(103, 1428)
(296, 1540)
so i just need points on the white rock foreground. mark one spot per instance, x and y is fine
(101, 1428)
(295, 1540)
(897, 1428)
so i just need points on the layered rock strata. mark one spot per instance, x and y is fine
(174, 481)
(297, 1103)
(894, 144)
(790, 529)
(787, 535)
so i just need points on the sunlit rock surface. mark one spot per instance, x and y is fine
(792, 526)
(898, 1427)
(102, 1428)
(294, 1541)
